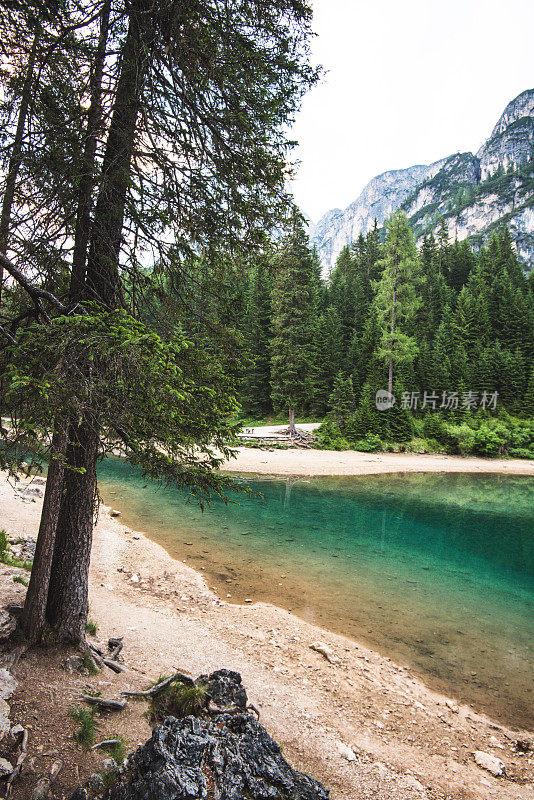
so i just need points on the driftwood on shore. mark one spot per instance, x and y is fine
(111, 704)
(159, 687)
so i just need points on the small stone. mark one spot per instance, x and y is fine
(523, 745)
(109, 764)
(248, 600)
(489, 762)
(95, 782)
(495, 742)
(5, 724)
(135, 578)
(8, 684)
(114, 513)
(346, 752)
(381, 769)
(8, 624)
(326, 651)
(452, 706)
(6, 768)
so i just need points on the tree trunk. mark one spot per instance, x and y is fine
(34, 615)
(16, 155)
(85, 188)
(393, 308)
(68, 603)
(67, 599)
(292, 428)
(35, 608)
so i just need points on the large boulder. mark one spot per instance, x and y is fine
(231, 757)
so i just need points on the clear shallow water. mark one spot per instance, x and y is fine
(434, 570)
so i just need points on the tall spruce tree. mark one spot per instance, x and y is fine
(293, 357)
(397, 294)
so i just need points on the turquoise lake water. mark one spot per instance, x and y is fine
(434, 570)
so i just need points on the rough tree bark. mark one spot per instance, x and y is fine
(35, 608)
(34, 615)
(67, 601)
(67, 593)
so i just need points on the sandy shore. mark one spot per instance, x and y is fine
(408, 742)
(352, 462)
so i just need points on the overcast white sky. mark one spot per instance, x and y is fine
(408, 82)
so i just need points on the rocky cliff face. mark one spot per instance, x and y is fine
(475, 194)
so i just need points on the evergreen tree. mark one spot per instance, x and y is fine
(342, 401)
(293, 360)
(255, 394)
(396, 300)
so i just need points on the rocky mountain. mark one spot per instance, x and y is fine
(474, 193)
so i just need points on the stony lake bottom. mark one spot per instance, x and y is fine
(435, 571)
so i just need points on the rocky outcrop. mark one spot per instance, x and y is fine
(511, 140)
(474, 194)
(231, 758)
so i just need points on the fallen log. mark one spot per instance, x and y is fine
(159, 687)
(111, 704)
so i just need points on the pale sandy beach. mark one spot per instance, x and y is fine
(407, 742)
(351, 462)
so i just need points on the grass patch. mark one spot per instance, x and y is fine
(86, 719)
(20, 579)
(117, 750)
(91, 627)
(177, 700)
(7, 558)
(89, 664)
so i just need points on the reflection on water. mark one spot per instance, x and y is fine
(434, 570)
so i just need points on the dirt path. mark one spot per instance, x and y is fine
(407, 741)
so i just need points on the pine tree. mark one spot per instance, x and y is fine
(396, 300)
(342, 401)
(255, 386)
(293, 361)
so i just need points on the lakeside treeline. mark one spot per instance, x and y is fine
(450, 332)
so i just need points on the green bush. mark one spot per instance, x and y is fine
(435, 428)
(329, 437)
(487, 442)
(459, 439)
(3, 545)
(371, 444)
(522, 452)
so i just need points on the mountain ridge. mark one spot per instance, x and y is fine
(473, 193)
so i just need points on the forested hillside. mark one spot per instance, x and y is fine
(463, 339)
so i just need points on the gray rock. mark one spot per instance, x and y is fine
(8, 684)
(8, 624)
(6, 768)
(225, 688)
(95, 782)
(186, 758)
(5, 724)
(32, 491)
